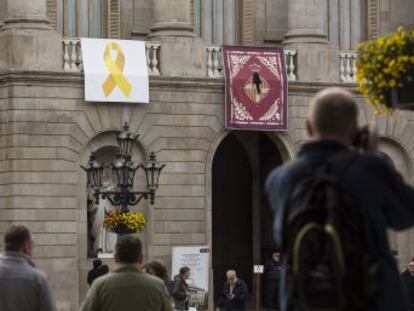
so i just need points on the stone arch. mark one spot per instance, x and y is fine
(281, 141)
(103, 142)
(398, 155)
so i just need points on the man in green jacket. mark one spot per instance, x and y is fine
(127, 288)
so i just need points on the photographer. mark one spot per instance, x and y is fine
(234, 294)
(379, 193)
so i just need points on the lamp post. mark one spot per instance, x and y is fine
(124, 170)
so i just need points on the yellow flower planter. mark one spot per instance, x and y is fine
(124, 222)
(386, 70)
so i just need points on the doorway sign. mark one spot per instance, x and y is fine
(115, 70)
(258, 269)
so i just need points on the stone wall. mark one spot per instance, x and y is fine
(47, 131)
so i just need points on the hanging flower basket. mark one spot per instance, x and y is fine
(124, 222)
(386, 71)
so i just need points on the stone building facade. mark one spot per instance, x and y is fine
(211, 189)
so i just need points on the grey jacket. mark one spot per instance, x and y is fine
(23, 287)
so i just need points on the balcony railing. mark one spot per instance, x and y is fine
(215, 62)
(72, 56)
(347, 66)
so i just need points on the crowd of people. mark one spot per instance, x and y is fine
(132, 284)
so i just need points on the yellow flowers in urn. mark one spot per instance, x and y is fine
(384, 66)
(124, 222)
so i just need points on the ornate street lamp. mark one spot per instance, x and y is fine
(152, 174)
(124, 170)
(125, 140)
(94, 170)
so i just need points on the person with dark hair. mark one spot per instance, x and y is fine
(180, 292)
(98, 270)
(22, 286)
(127, 288)
(160, 271)
(157, 269)
(407, 278)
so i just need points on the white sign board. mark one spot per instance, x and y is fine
(197, 259)
(115, 70)
(258, 269)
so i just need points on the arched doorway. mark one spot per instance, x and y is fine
(241, 216)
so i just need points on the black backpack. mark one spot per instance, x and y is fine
(328, 264)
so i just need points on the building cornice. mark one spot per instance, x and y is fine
(75, 79)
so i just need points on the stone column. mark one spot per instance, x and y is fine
(182, 53)
(171, 18)
(307, 21)
(307, 32)
(27, 41)
(21, 11)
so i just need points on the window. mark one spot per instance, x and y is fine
(85, 18)
(217, 21)
(345, 23)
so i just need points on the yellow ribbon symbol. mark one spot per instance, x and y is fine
(116, 68)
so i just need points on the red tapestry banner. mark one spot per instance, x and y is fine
(256, 88)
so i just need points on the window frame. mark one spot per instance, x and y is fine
(202, 31)
(347, 35)
(59, 14)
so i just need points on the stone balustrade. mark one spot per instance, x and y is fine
(152, 50)
(72, 59)
(291, 64)
(72, 56)
(215, 62)
(347, 66)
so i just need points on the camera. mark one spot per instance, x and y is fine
(363, 138)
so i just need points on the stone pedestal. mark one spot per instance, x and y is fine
(27, 41)
(307, 23)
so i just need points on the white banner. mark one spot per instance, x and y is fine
(197, 259)
(115, 70)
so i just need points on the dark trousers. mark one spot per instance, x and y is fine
(271, 294)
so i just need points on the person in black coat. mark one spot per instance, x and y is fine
(271, 276)
(379, 191)
(234, 294)
(98, 270)
(407, 278)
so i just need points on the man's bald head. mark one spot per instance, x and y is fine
(231, 275)
(333, 115)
